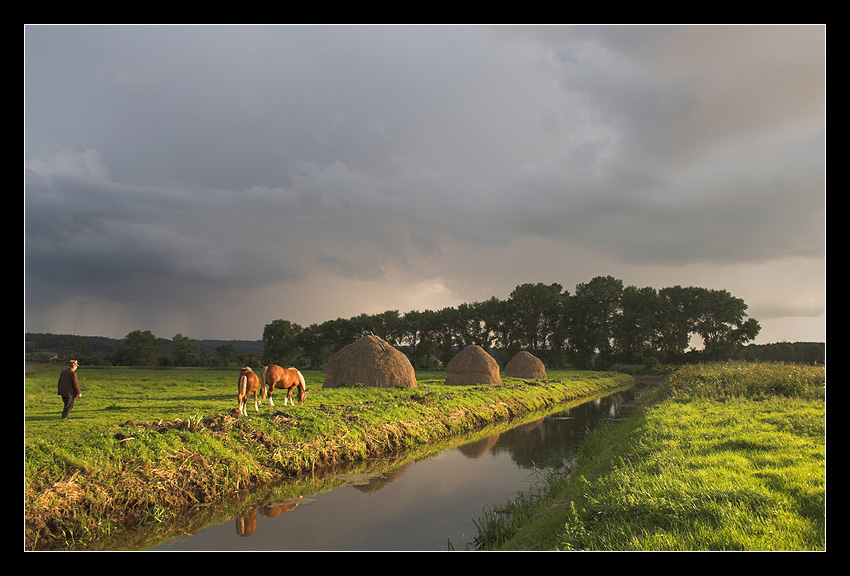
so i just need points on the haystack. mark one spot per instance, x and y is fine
(370, 361)
(473, 366)
(525, 365)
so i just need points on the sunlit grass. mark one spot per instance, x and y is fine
(748, 380)
(744, 471)
(144, 443)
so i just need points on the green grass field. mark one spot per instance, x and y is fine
(725, 457)
(733, 458)
(143, 444)
(115, 395)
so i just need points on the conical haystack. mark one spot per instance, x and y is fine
(473, 366)
(525, 365)
(370, 361)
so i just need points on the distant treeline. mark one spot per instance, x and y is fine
(601, 324)
(797, 352)
(149, 350)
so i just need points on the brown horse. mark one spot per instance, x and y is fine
(288, 378)
(248, 383)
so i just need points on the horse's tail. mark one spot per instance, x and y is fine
(243, 384)
(263, 381)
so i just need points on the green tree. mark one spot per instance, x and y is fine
(560, 334)
(677, 307)
(184, 352)
(536, 311)
(339, 333)
(280, 342)
(225, 355)
(386, 325)
(501, 325)
(137, 349)
(85, 355)
(248, 359)
(591, 315)
(448, 333)
(314, 345)
(720, 322)
(413, 330)
(471, 327)
(581, 332)
(418, 333)
(637, 326)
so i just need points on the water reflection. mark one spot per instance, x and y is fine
(430, 504)
(549, 442)
(245, 525)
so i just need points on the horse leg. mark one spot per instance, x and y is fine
(289, 397)
(271, 389)
(256, 402)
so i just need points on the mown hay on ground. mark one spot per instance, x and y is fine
(473, 365)
(369, 361)
(525, 365)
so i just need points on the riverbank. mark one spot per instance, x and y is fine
(144, 447)
(723, 457)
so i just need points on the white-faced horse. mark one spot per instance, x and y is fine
(248, 383)
(287, 378)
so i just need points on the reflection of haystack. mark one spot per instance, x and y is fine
(525, 365)
(479, 447)
(372, 362)
(472, 366)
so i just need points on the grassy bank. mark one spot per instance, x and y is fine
(145, 446)
(725, 457)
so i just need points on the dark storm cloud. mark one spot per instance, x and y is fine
(172, 160)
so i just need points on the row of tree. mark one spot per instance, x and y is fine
(602, 322)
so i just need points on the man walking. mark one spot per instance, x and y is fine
(69, 388)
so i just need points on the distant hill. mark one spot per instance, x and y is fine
(64, 344)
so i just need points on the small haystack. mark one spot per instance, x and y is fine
(472, 366)
(370, 361)
(525, 365)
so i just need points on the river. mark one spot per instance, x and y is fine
(429, 505)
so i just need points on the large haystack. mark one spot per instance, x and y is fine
(370, 361)
(525, 365)
(473, 366)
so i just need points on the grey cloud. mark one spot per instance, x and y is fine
(234, 156)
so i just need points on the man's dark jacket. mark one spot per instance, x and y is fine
(68, 385)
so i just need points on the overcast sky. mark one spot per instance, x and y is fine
(207, 180)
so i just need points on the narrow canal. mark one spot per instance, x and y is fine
(429, 505)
